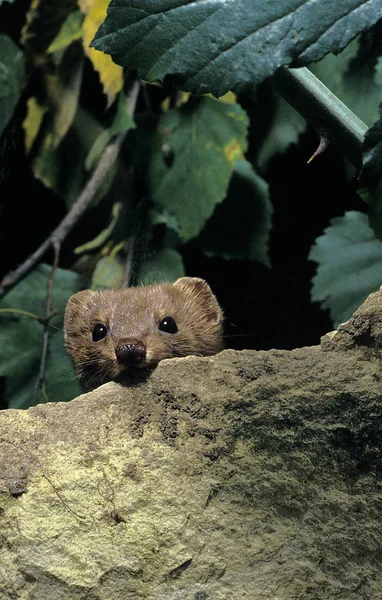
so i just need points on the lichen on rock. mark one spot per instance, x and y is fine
(247, 475)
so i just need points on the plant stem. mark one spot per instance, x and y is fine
(48, 309)
(322, 109)
(105, 163)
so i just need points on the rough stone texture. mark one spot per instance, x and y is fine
(249, 475)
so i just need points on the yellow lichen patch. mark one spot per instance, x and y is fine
(233, 152)
(111, 75)
(32, 122)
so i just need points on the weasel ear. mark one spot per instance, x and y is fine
(199, 290)
(76, 305)
(80, 299)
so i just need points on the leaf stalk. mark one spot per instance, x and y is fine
(323, 110)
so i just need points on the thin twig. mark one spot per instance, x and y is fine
(130, 243)
(18, 311)
(48, 310)
(133, 97)
(100, 173)
(106, 162)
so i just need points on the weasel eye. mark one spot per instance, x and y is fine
(168, 324)
(99, 332)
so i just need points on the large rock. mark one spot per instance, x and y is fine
(248, 475)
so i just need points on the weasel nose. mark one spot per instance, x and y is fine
(130, 354)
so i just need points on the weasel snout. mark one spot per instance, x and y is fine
(130, 353)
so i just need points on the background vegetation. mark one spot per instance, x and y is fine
(153, 140)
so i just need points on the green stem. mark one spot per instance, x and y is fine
(18, 311)
(322, 109)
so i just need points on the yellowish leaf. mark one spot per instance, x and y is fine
(45, 162)
(71, 30)
(85, 5)
(63, 91)
(229, 97)
(32, 122)
(111, 75)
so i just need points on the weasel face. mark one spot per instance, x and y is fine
(112, 331)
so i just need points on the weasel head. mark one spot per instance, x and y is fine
(111, 332)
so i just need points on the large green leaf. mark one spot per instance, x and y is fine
(197, 146)
(21, 338)
(65, 168)
(349, 261)
(240, 226)
(351, 77)
(371, 175)
(165, 265)
(212, 45)
(11, 78)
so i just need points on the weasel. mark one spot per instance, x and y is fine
(113, 332)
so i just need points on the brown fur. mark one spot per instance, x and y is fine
(131, 316)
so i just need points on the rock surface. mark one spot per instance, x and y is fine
(248, 475)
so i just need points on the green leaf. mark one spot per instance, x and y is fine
(166, 265)
(371, 175)
(349, 261)
(196, 150)
(71, 30)
(21, 338)
(240, 226)
(43, 22)
(102, 237)
(63, 168)
(351, 77)
(65, 89)
(163, 218)
(109, 271)
(287, 125)
(378, 72)
(12, 72)
(122, 122)
(211, 46)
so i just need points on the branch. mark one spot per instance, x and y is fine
(100, 173)
(48, 309)
(322, 109)
(106, 162)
